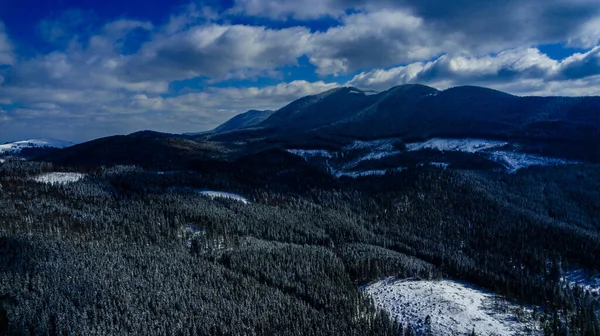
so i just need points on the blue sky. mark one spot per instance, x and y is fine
(82, 69)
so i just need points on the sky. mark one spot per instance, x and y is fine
(82, 69)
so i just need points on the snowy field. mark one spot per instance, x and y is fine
(454, 308)
(513, 161)
(15, 147)
(59, 178)
(221, 194)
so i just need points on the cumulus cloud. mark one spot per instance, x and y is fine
(524, 71)
(483, 26)
(6, 49)
(116, 77)
(215, 51)
(366, 40)
(84, 114)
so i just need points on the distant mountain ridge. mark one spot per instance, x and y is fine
(566, 128)
(553, 125)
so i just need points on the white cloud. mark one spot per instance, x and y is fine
(521, 71)
(375, 39)
(6, 48)
(483, 26)
(215, 51)
(82, 115)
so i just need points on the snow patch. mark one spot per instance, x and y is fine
(59, 178)
(583, 279)
(361, 173)
(345, 162)
(457, 145)
(513, 161)
(222, 194)
(376, 150)
(454, 308)
(309, 153)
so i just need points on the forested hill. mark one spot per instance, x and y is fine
(129, 251)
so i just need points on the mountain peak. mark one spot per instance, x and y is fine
(244, 120)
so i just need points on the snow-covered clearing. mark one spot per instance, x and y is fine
(456, 145)
(453, 307)
(222, 194)
(583, 279)
(514, 161)
(59, 178)
(361, 173)
(309, 153)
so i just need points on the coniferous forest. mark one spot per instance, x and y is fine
(132, 251)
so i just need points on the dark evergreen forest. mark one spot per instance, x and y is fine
(130, 251)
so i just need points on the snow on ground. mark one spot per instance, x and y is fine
(494, 150)
(221, 194)
(361, 173)
(443, 165)
(375, 150)
(374, 145)
(59, 178)
(583, 279)
(309, 153)
(454, 308)
(457, 145)
(16, 146)
(514, 161)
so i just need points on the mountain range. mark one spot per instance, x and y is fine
(558, 127)
(563, 126)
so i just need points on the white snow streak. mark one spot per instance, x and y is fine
(59, 178)
(221, 194)
(309, 153)
(456, 145)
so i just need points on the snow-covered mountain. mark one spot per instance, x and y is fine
(17, 146)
